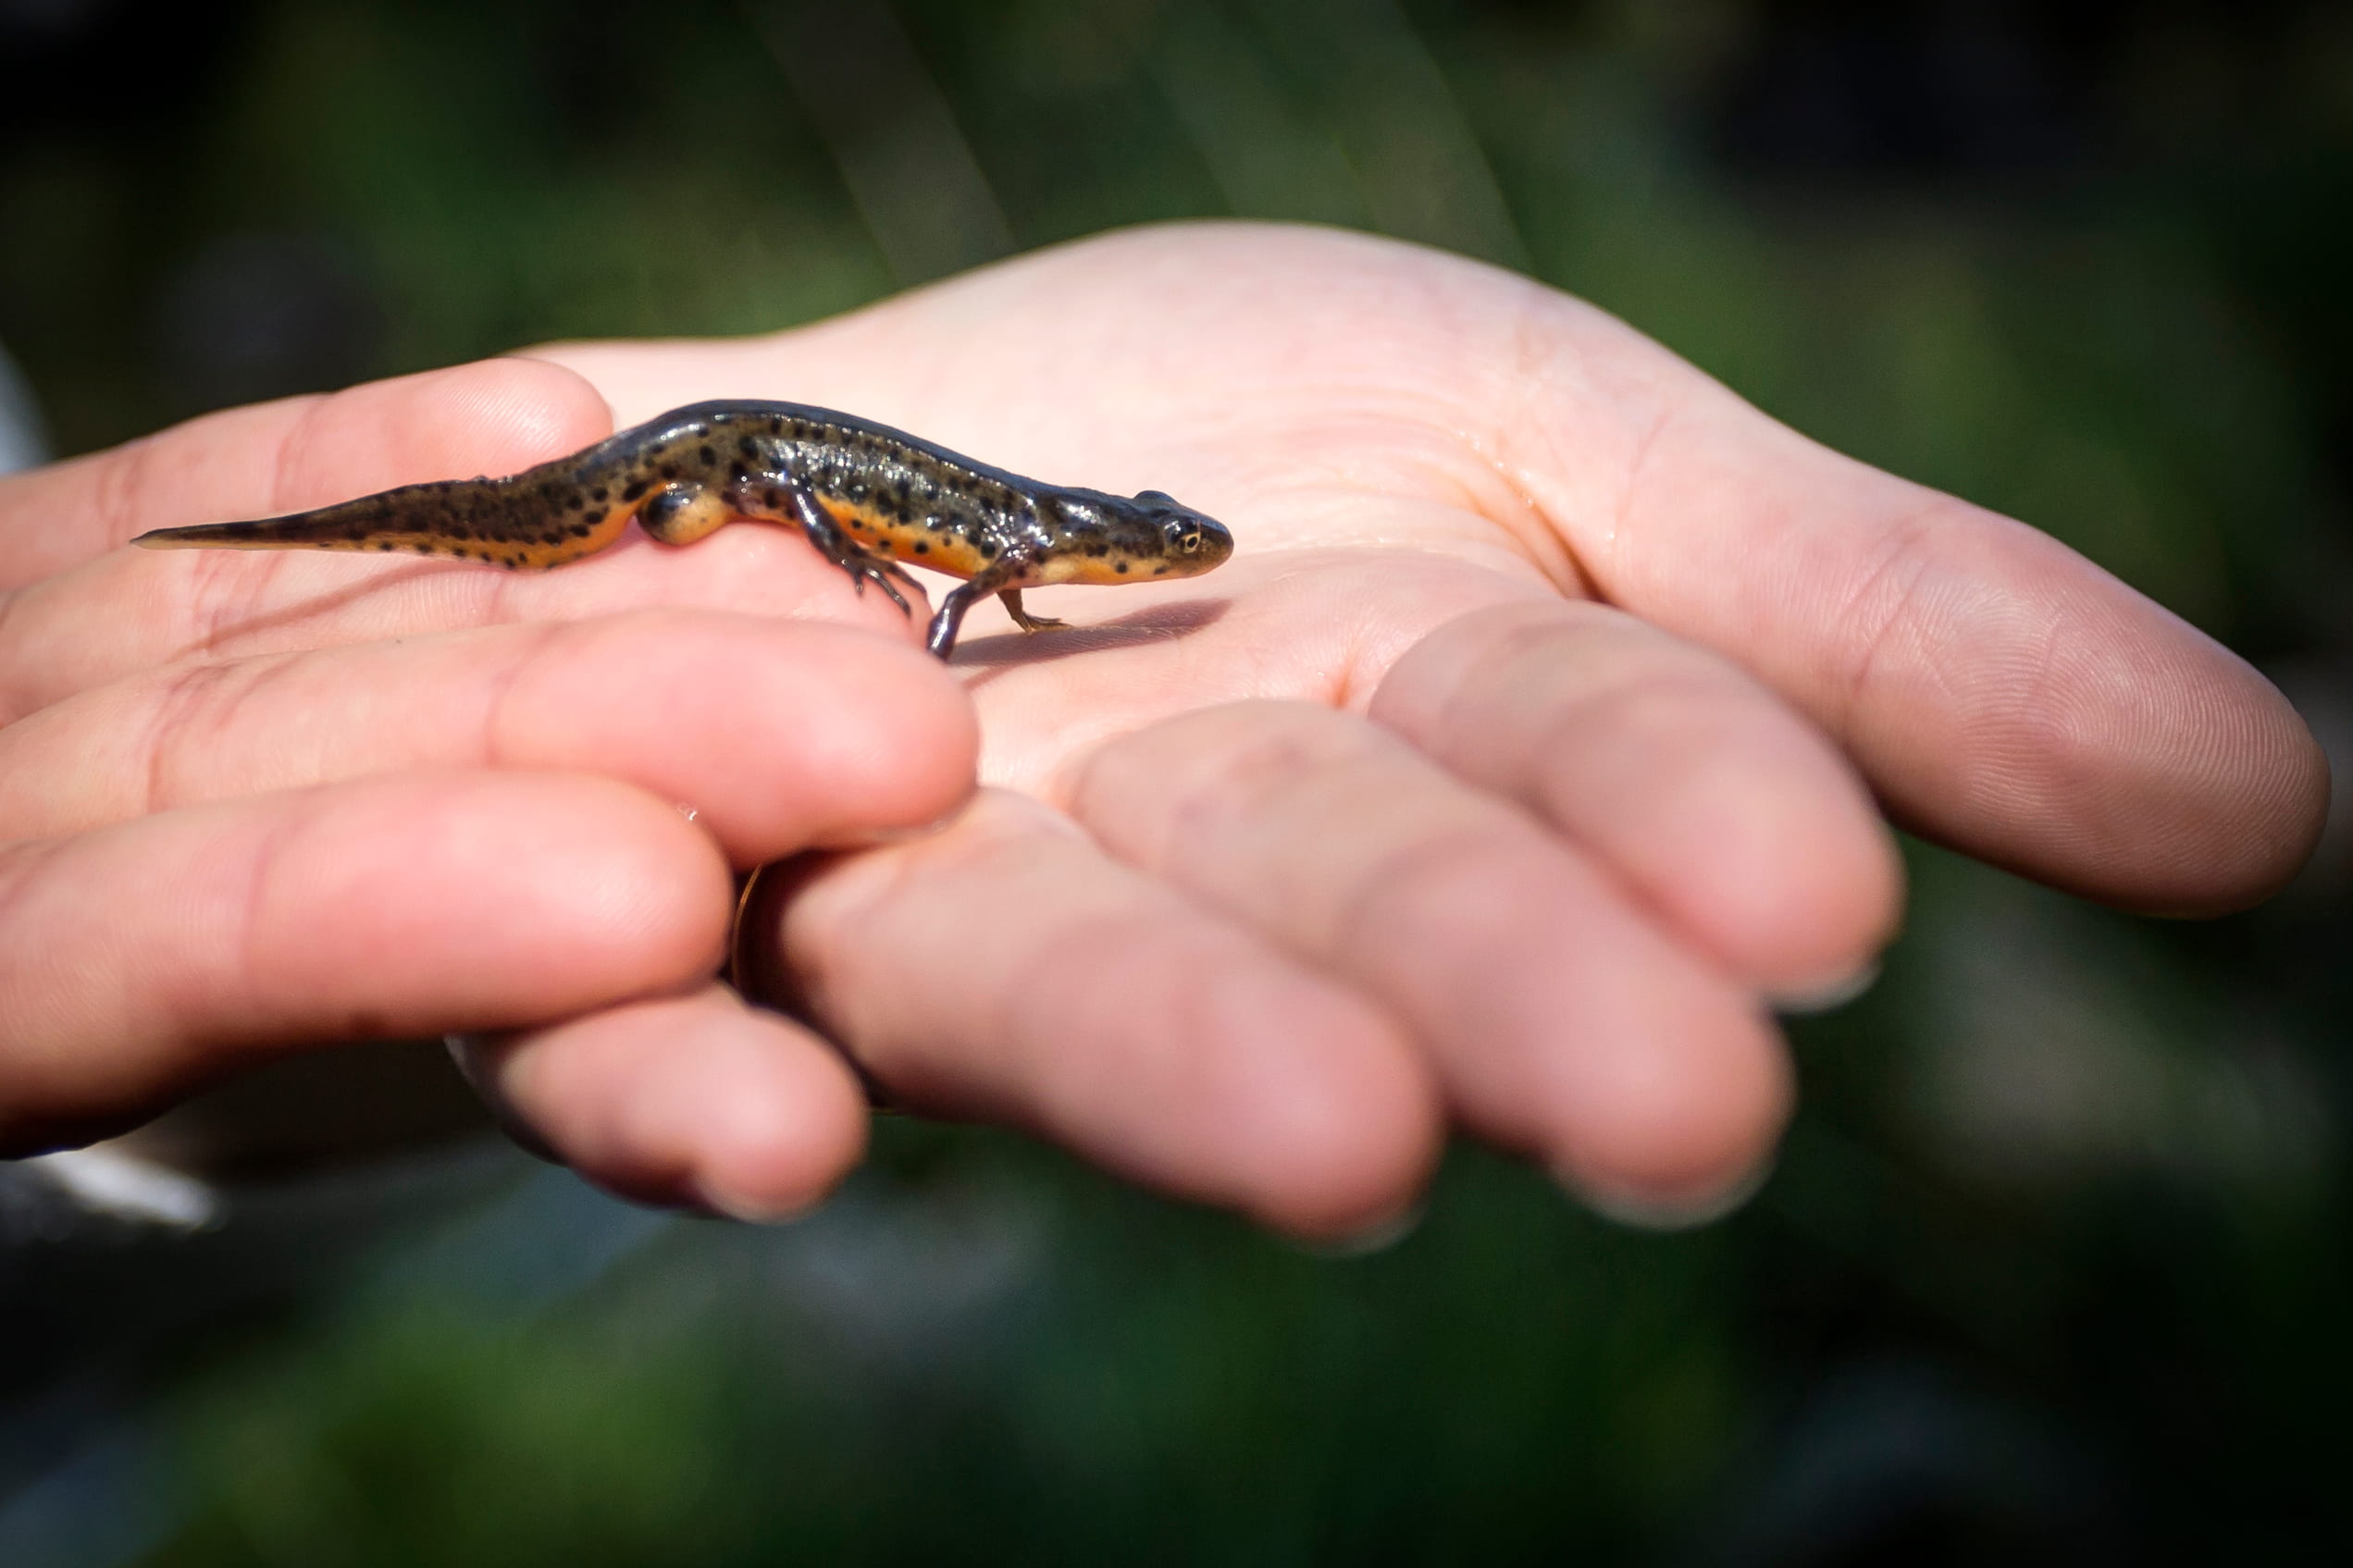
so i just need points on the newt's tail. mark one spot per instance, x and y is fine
(488, 520)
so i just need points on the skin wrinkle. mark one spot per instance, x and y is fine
(1531, 534)
(23, 864)
(1357, 676)
(1373, 651)
(220, 690)
(228, 600)
(498, 597)
(1451, 466)
(293, 439)
(188, 694)
(1906, 553)
(122, 477)
(1620, 520)
(263, 873)
(121, 473)
(1539, 344)
(545, 641)
(1245, 780)
(11, 600)
(1548, 330)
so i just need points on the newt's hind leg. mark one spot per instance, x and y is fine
(790, 503)
(680, 515)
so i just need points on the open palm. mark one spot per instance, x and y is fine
(1524, 753)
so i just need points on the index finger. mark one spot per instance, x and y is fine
(493, 417)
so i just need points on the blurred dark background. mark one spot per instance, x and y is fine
(2055, 1265)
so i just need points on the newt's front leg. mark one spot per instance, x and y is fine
(942, 640)
(1012, 597)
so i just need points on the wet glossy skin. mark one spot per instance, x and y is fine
(865, 494)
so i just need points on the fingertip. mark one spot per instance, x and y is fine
(2306, 785)
(2259, 817)
(779, 733)
(1647, 1209)
(910, 740)
(494, 416)
(503, 414)
(787, 1121)
(2007, 698)
(691, 1100)
(576, 889)
(1796, 886)
(642, 883)
(530, 407)
(1669, 1133)
(1334, 1121)
(1731, 818)
(1702, 793)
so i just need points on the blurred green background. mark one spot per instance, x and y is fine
(2055, 1265)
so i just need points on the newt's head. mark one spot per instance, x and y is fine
(1104, 539)
(1192, 542)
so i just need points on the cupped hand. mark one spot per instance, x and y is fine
(1526, 753)
(1531, 747)
(248, 808)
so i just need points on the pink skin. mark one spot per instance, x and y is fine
(1534, 740)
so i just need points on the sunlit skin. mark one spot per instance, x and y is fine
(1532, 743)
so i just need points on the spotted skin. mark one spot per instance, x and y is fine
(868, 497)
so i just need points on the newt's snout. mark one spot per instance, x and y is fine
(1191, 542)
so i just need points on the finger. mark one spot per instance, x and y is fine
(134, 610)
(493, 417)
(685, 1099)
(2001, 692)
(1560, 1021)
(1004, 968)
(1701, 793)
(778, 735)
(141, 960)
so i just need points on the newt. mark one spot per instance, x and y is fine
(868, 497)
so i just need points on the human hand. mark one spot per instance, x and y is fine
(1524, 753)
(244, 811)
(1623, 644)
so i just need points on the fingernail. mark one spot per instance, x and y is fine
(883, 838)
(1377, 1236)
(1798, 1001)
(1655, 1211)
(753, 1211)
